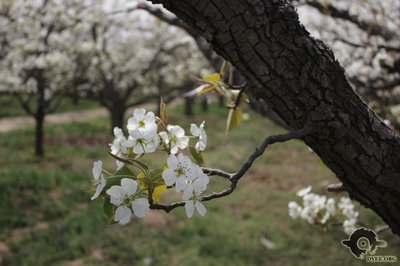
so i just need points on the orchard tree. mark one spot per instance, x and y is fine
(299, 77)
(135, 59)
(364, 36)
(36, 59)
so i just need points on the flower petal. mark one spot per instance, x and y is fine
(97, 169)
(123, 215)
(194, 130)
(189, 207)
(188, 192)
(169, 177)
(140, 207)
(180, 183)
(201, 209)
(116, 195)
(99, 187)
(139, 113)
(129, 185)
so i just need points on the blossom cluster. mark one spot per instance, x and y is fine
(130, 193)
(320, 210)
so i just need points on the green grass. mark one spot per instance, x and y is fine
(10, 106)
(46, 217)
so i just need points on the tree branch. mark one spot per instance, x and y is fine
(234, 178)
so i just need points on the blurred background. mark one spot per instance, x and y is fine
(71, 71)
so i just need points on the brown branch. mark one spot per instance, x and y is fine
(234, 178)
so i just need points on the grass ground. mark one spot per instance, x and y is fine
(46, 217)
(10, 106)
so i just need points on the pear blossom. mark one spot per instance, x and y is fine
(347, 208)
(98, 179)
(124, 197)
(180, 171)
(294, 209)
(120, 144)
(201, 134)
(197, 185)
(144, 141)
(319, 209)
(349, 226)
(304, 191)
(175, 138)
(142, 121)
(192, 205)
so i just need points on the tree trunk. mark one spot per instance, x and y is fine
(221, 101)
(39, 133)
(300, 79)
(117, 113)
(204, 105)
(40, 114)
(189, 106)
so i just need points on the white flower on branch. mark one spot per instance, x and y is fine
(180, 171)
(142, 121)
(201, 134)
(120, 144)
(145, 141)
(98, 179)
(321, 210)
(175, 138)
(192, 205)
(125, 197)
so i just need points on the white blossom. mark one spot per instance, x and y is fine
(120, 144)
(294, 209)
(175, 138)
(142, 121)
(349, 226)
(201, 134)
(192, 205)
(304, 191)
(319, 209)
(98, 179)
(144, 141)
(125, 198)
(180, 171)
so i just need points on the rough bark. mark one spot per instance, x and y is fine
(300, 79)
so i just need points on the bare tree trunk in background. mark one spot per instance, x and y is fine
(204, 104)
(189, 102)
(117, 113)
(300, 79)
(39, 134)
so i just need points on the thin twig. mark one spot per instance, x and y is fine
(234, 178)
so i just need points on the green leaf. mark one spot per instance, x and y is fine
(156, 176)
(198, 157)
(234, 118)
(108, 208)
